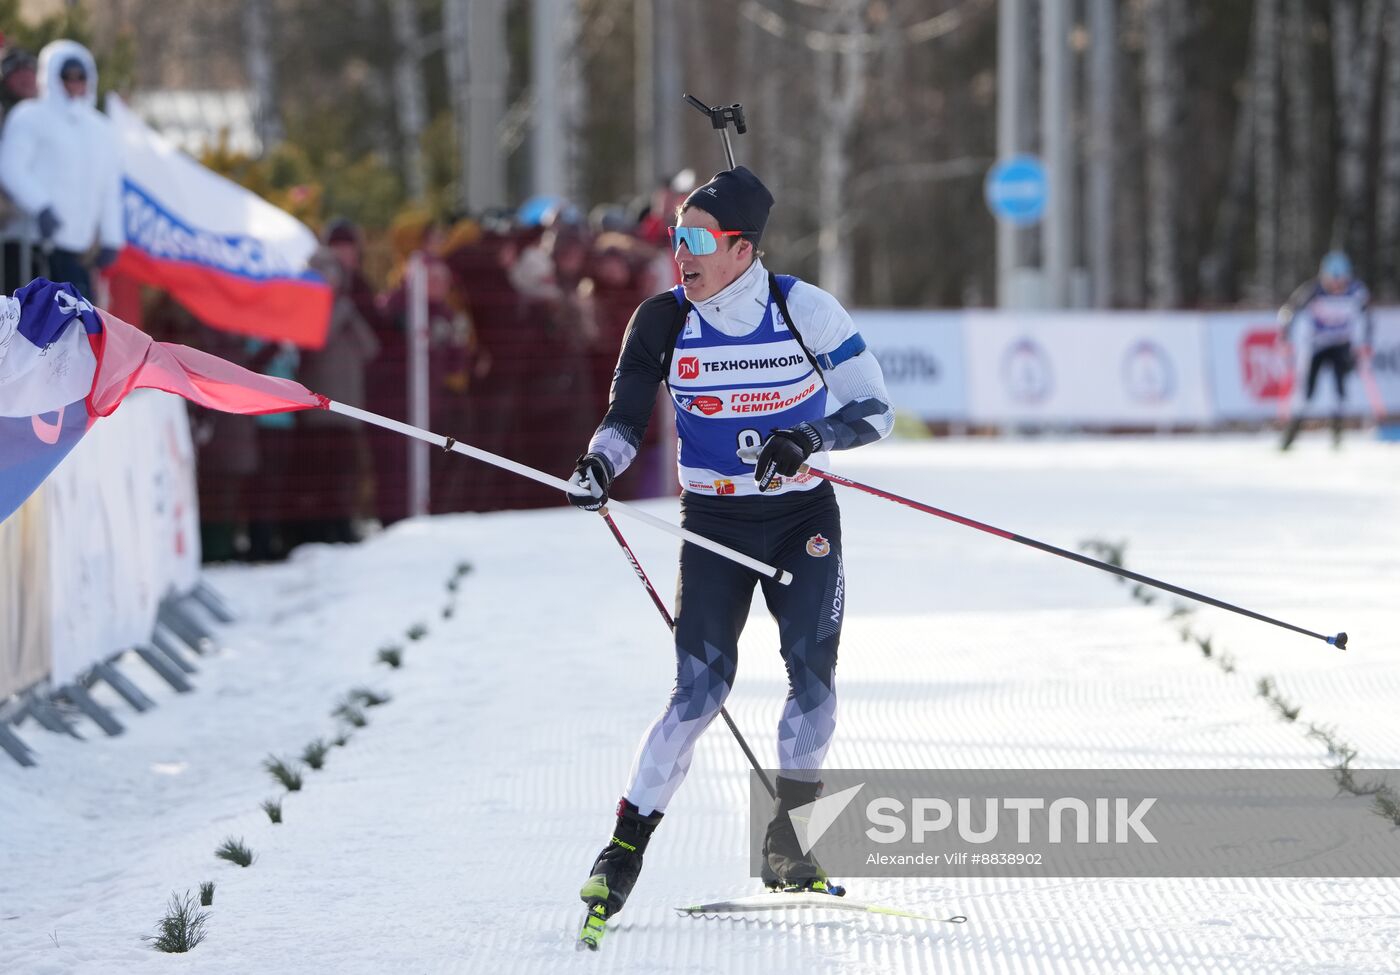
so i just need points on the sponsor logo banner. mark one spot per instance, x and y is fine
(1087, 368)
(770, 362)
(921, 356)
(728, 403)
(1254, 375)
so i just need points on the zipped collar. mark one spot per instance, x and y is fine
(740, 307)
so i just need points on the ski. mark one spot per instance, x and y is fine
(595, 921)
(758, 903)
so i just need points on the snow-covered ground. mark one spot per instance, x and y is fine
(451, 834)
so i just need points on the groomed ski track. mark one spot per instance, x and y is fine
(451, 833)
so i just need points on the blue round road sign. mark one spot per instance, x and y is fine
(1016, 189)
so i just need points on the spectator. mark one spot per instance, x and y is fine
(343, 239)
(17, 83)
(18, 80)
(271, 535)
(500, 383)
(560, 327)
(59, 161)
(334, 483)
(451, 361)
(665, 198)
(227, 463)
(620, 271)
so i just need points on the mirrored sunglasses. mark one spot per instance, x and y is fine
(699, 240)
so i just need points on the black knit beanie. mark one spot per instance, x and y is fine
(737, 199)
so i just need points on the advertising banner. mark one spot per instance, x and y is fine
(1087, 368)
(1255, 376)
(921, 354)
(25, 653)
(123, 531)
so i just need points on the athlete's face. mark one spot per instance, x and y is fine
(707, 275)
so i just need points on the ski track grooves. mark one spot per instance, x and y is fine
(452, 833)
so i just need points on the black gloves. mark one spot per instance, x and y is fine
(595, 473)
(48, 223)
(784, 452)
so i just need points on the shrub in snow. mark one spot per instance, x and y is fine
(235, 852)
(351, 715)
(368, 698)
(314, 754)
(283, 772)
(182, 928)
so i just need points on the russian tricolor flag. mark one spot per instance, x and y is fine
(65, 363)
(237, 262)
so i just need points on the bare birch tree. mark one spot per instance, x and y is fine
(1298, 219)
(840, 94)
(262, 71)
(455, 38)
(1388, 193)
(1162, 110)
(1220, 265)
(1355, 47)
(410, 102)
(1264, 73)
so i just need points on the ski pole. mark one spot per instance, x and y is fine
(1373, 392)
(782, 576)
(1339, 640)
(671, 624)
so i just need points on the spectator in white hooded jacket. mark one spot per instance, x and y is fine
(60, 162)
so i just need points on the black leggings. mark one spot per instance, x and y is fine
(799, 532)
(1338, 359)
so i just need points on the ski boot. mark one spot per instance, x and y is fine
(614, 872)
(785, 868)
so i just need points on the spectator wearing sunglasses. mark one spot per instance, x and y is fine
(59, 162)
(748, 359)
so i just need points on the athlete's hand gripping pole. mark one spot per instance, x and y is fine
(1339, 640)
(449, 443)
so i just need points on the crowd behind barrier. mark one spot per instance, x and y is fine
(86, 562)
(524, 325)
